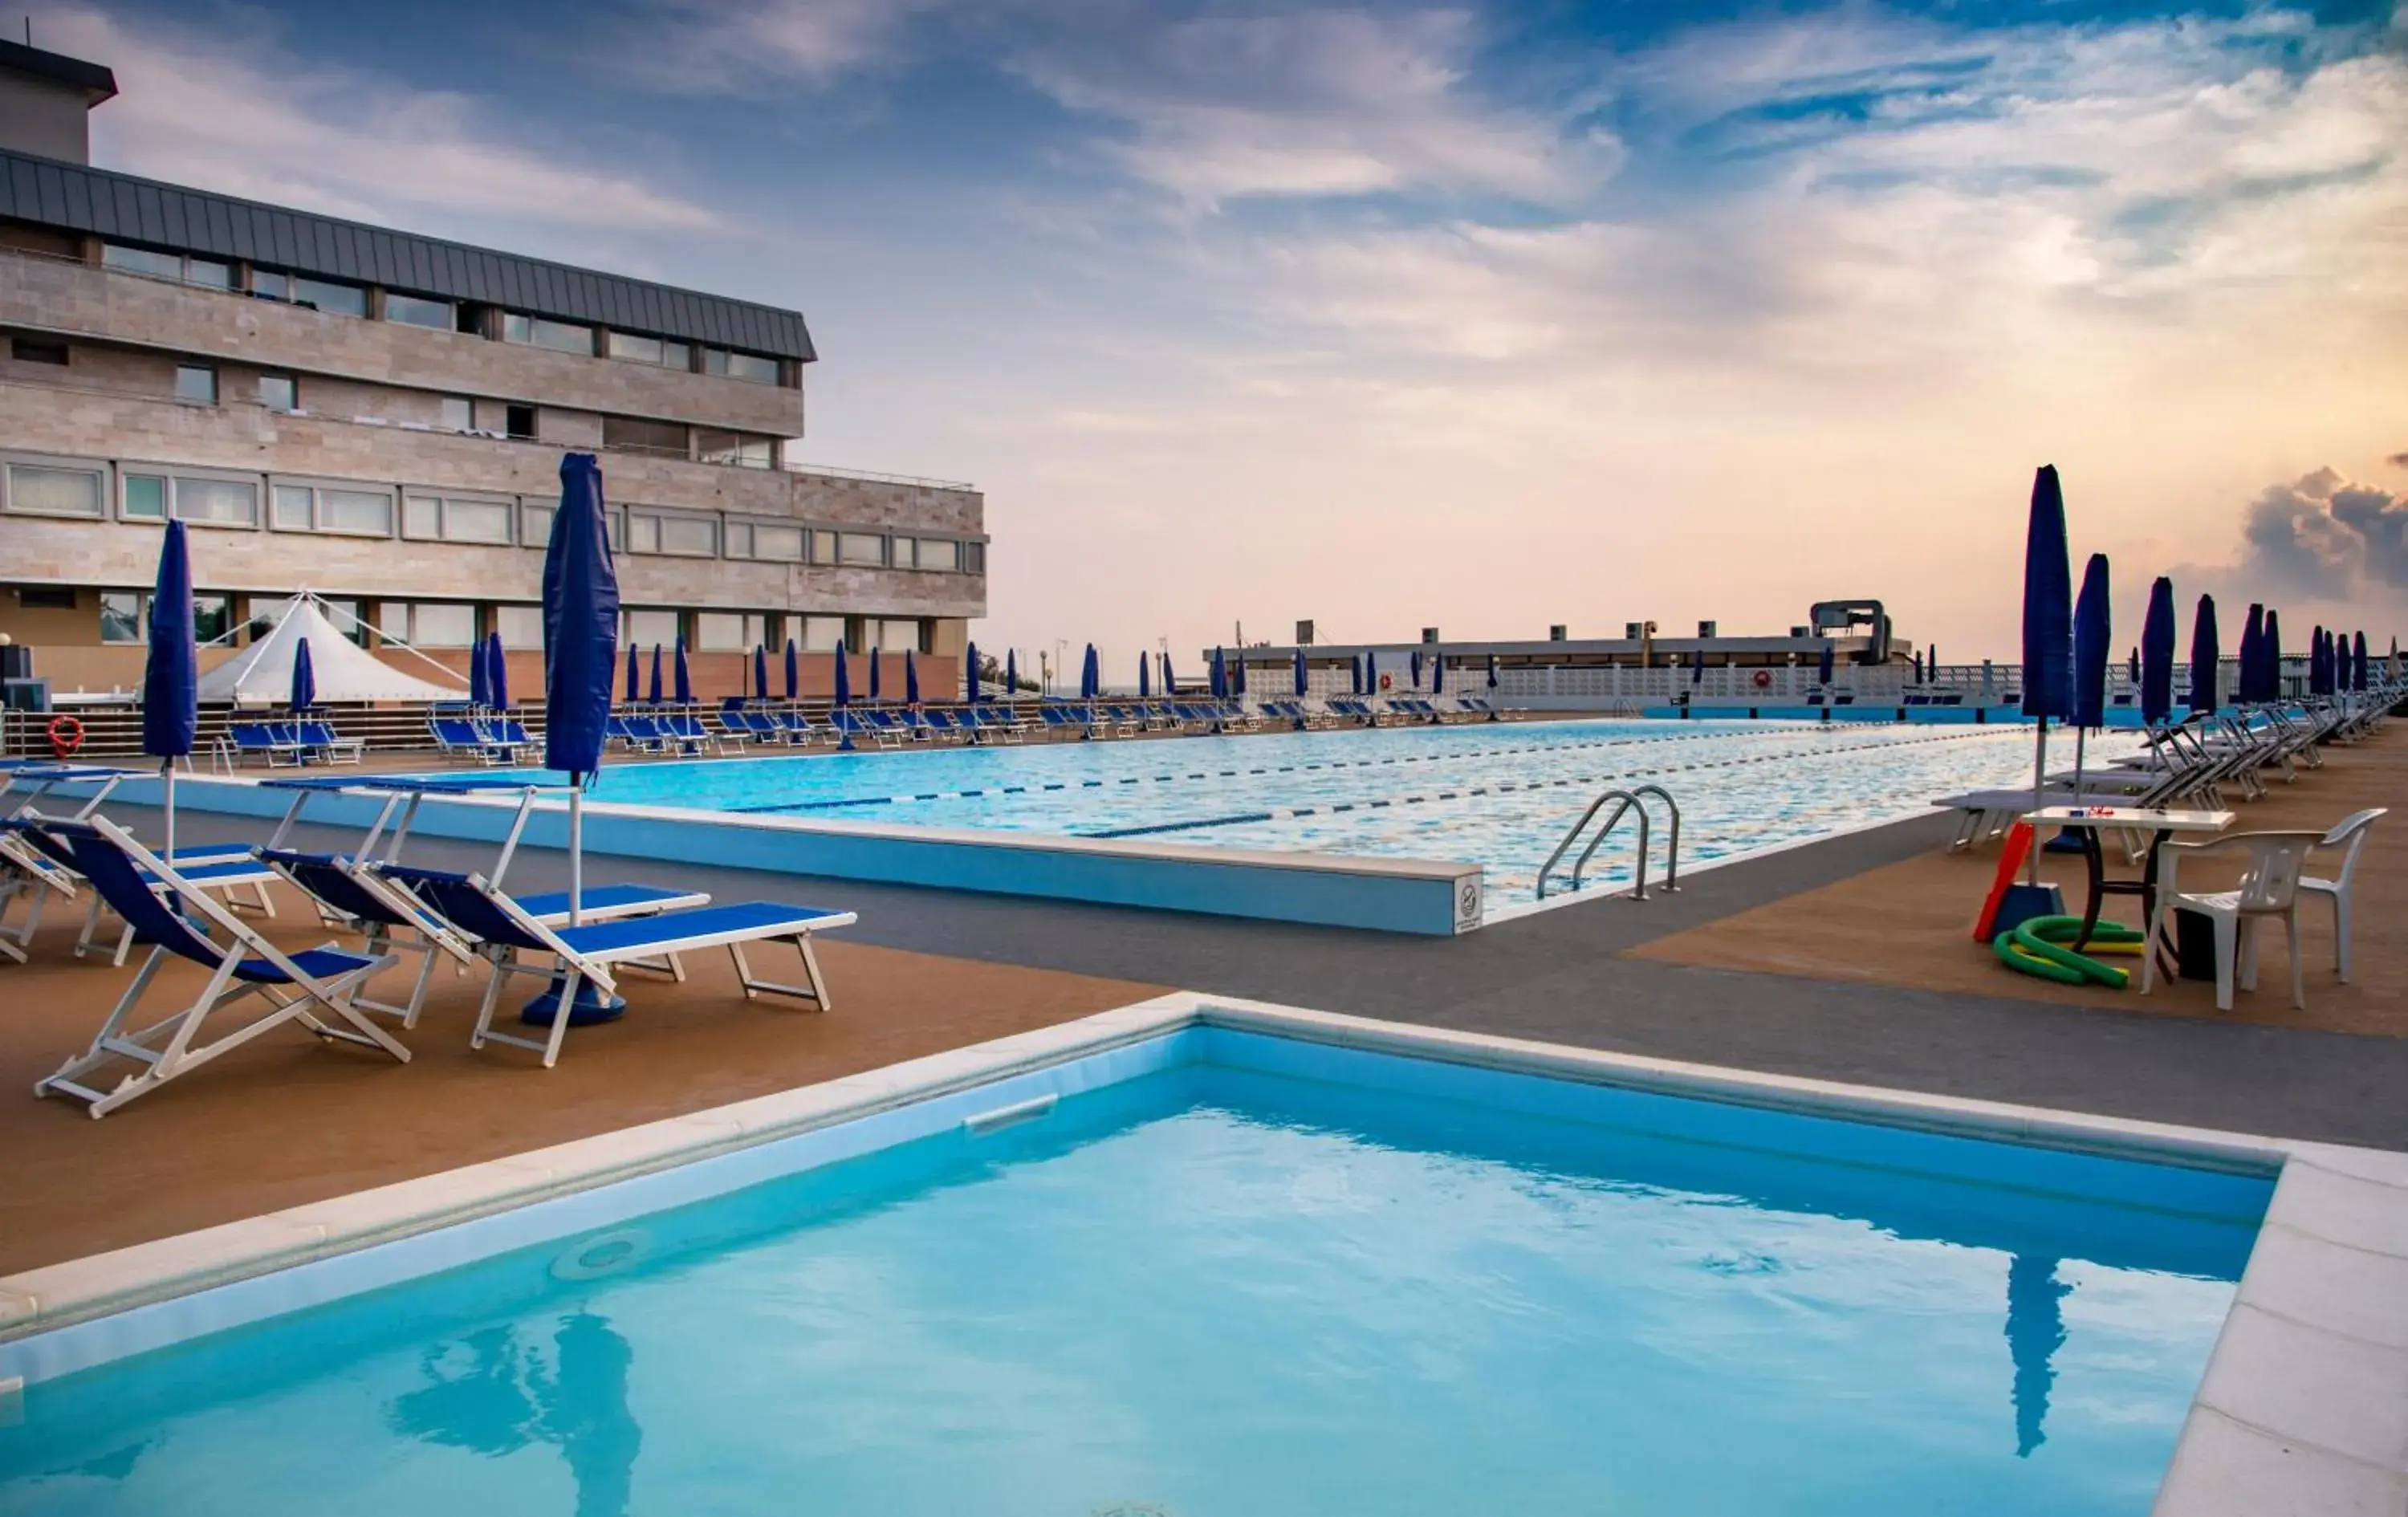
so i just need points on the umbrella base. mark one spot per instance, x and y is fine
(590, 1007)
(2064, 842)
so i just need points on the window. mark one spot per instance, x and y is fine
(347, 510)
(290, 508)
(637, 435)
(647, 627)
(518, 422)
(936, 553)
(56, 490)
(860, 548)
(735, 449)
(269, 285)
(442, 624)
(973, 558)
(822, 633)
(197, 384)
(452, 519)
(35, 350)
(822, 547)
(696, 537)
(333, 299)
(633, 347)
(520, 626)
(895, 636)
(145, 497)
(278, 393)
(540, 331)
(212, 617)
(120, 616)
(164, 266)
(721, 632)
(535, 524)
(38, 599)
(416, 310)
(219, 503)
(643, 534)
(459, 414)
(771, 541)
(750, 367)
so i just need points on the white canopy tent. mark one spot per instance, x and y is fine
(346, 673)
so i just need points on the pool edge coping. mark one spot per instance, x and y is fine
(2326, 1285)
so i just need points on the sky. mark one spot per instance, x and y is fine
(1482, 317)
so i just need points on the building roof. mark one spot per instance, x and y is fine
(124, 209)
(97, 82)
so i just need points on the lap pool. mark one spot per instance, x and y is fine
(1497, 796)
(1213, 1272)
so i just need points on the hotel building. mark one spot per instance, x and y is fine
(379, 418)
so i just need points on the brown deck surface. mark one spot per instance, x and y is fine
(1909, 923)
(287, 1120)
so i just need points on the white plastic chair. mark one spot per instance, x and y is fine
(2349, 836)
(2270, 887)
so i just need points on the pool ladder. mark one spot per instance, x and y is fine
(1626, 802)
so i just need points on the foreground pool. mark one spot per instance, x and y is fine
(1241, 1274)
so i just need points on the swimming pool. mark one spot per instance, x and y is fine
(1222, 1272)
(1500, 796)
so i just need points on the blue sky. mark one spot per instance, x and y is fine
(1486, 317)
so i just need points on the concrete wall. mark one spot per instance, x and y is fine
(45, 117)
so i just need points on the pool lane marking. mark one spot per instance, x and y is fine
(1286, 813)
(842, 802)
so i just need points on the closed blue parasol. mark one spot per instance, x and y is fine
(2158, 653)
(2205, 656)
(1303, 686)
(171, 671)
(1170, 684)
(480, 689)
(654, 697)
(875, 659)
(1437, 674)
(1237, 676)
(2316, 659)
(970, 668)
(1492, 671)
(581, 646)
(497, 673)
(2270, 654)
(2358, 660)
(1219, 681)
(1355, 672)
(1144, 675)
(1011, 672)
(1417, 668)
(1370, 671)
(2248, 677)
(793, 670)
(633, 691)
(2048, 626)
(843, 676)
(911, 678)
(1823, 670)
(2132, 668)
(305, 677)
(1697, 664)
(1091, 676)
(761, 671)
(684, 677)
(2092, 632)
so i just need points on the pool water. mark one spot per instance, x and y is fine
(1261, 1283)
(1497, 794)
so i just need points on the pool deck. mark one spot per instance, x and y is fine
(929, 970)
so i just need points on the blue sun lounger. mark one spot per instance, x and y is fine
(507, 934)
(299, 986)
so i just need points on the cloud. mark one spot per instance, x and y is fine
(2398, 461)
(708, 46)
(237, 115)
(2323, 538)
(1327, 103)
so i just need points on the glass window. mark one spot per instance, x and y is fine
(641, 435)
(44, 490)
(345, 614)
(145, 498)
(459, 414)
(120, 616)
(696, 537)
(270, 285)
(196, 383)
(335, 299)
(289, 509)
(142, 260)
(823, 634)
(895, 636)
(645, 628)
(973, 558)
(212, 617)
(860, 548)
(535, 524)
(733, 449)
(209, 271)
(643, 534)
(226, 503)
(520, 626)
(640, 349)
(940, 555)
(367, 512)
(416, 310)
(422, 516)
(676, 355)
(720, 632)
(822, 547)
(393, 619)
(37, 350)
(476, 521)
(540, 331)
(750, 367)
(779, 544)
(756, 630)
(442, 624)
(278, 393)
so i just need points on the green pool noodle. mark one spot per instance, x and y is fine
(2028, 948)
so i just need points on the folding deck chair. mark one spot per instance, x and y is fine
(507, 932)
(242, 964)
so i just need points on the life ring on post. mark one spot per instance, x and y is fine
(1387, 679)
(1763, 678)
(65, 734)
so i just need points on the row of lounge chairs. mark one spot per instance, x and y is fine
(492, 739)
(396, 912)
(288, 744)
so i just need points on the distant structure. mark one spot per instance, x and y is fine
(378, 417)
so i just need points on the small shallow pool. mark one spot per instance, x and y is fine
(1497, 794)
(1252, 1276)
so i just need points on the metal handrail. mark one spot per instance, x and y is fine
(1630, 800)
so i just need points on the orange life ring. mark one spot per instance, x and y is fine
(1386, 679)
(65, 734)
(1763, 678)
